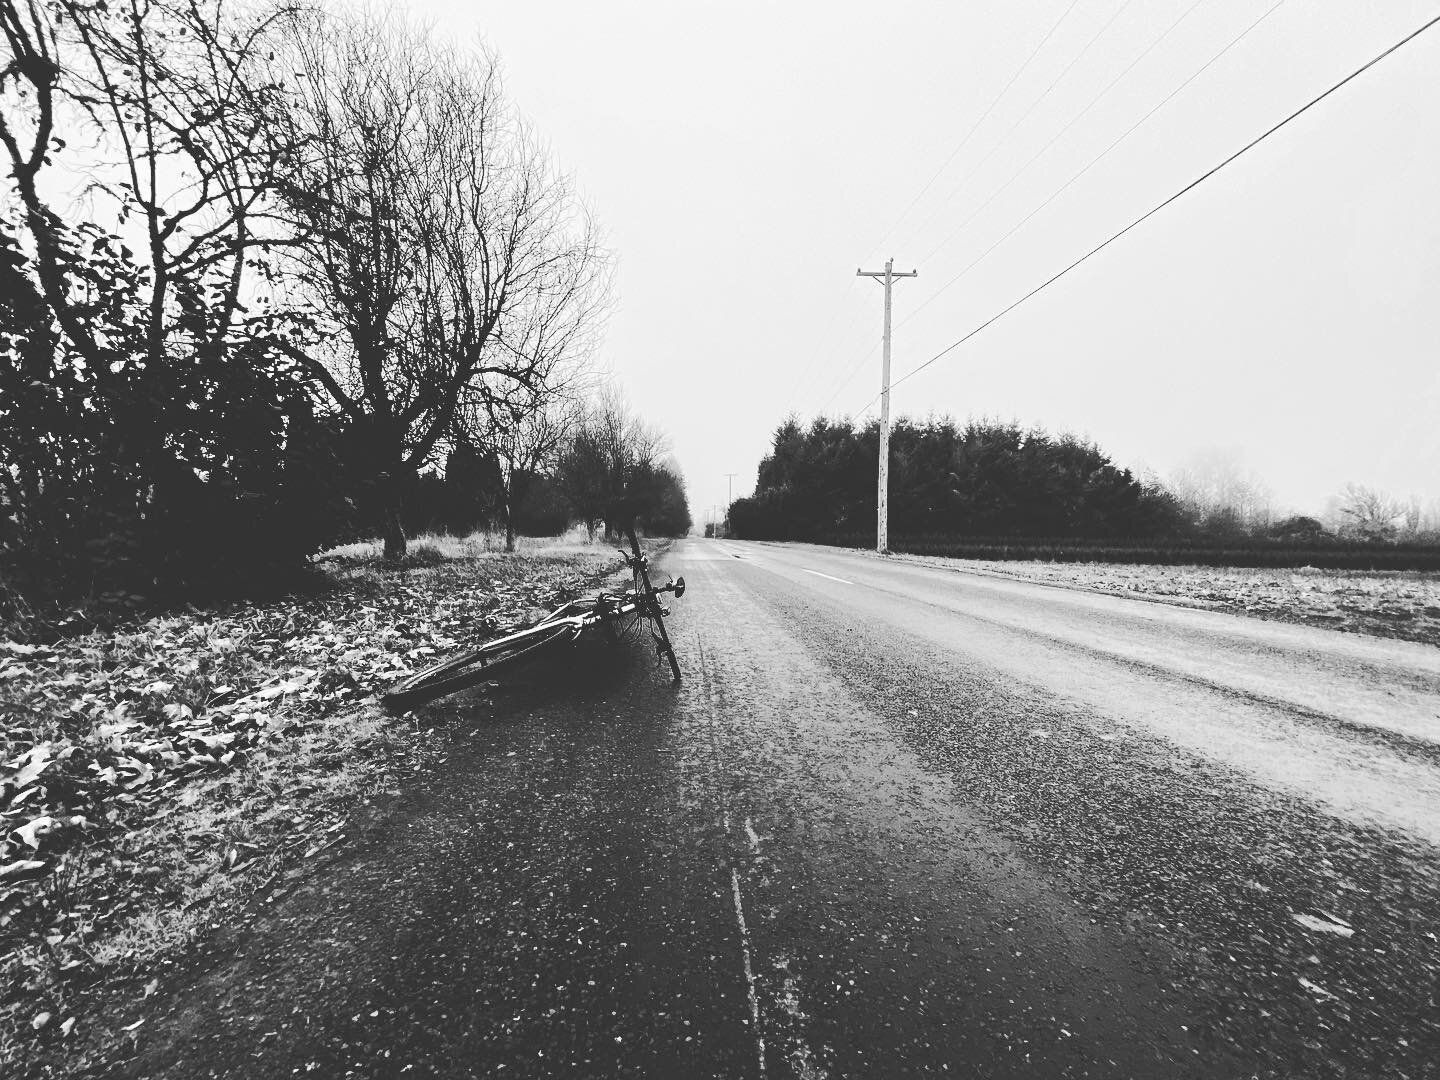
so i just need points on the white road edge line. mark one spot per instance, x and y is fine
(817, 573)
(749, 971)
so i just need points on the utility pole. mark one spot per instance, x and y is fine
(882, 511)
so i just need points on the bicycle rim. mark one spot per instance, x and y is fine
(469, 669)
(651, 608)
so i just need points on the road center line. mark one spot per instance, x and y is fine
(749, 971)
(817, 573)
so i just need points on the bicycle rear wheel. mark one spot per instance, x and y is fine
(471, 668)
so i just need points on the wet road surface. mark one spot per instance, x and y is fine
(897, 821)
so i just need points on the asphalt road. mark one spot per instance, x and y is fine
(897, 821)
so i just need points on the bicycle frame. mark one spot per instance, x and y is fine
(579, 615)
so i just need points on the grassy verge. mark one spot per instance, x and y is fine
(154, 779)
(1329, 553)
(1403, 605)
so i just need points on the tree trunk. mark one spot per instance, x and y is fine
(395, 545)
(394, 534)
(509, 527)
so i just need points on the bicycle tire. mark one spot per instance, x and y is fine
(468, 669)
(651, 607)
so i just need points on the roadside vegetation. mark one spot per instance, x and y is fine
(159, 777)
(274, 277)
(1400, 605)
(993, 490)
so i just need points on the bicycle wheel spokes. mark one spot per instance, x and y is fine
(650, 606)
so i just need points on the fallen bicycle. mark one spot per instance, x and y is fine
(639, 606)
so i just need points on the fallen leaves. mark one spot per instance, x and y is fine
(35, 831)
(136, 714)
(108, 739)
(1331, 924)
(29, 766)
(1316, 989)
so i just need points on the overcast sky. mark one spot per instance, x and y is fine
(747, 158)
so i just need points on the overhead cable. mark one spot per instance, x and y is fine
(1160, 206)
(1090, 165)
(1044, 95)
(976, 126)
(1066, 129)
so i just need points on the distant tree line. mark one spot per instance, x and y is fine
(993, 484)
(985, 478)
(274, 275)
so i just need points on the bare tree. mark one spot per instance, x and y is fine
(609, 469)
(521, 445)
(1366, 513)
(522, 423)
(1216, 492)
(1430, 518)
(582, 474)
(435, 241)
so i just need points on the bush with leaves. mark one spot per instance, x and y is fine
(156, 437)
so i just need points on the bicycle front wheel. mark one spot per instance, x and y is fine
(472, 668)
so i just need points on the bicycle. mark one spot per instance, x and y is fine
(620, 613)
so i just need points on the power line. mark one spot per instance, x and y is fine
(1033, 106)
(1064, 130)
(822, 341)
(976, 126)
(1183, 191)
(1090, 165)
(830, 322)
(850, 376)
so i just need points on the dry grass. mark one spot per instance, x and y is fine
(430, 548)
(1394, 604)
